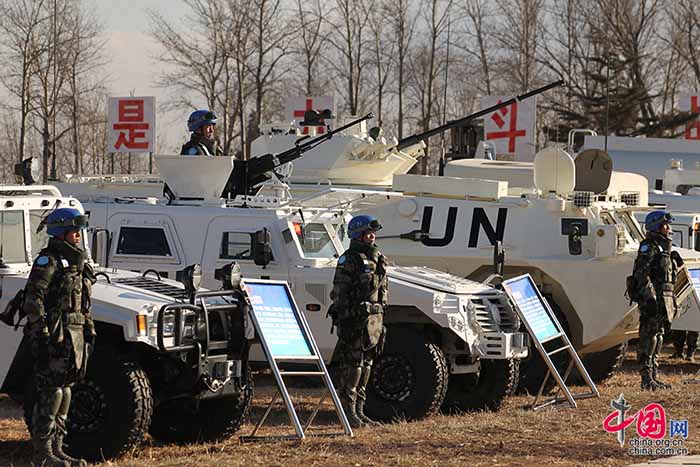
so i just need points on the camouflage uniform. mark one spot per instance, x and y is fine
(359, 297)
(59, 323)
(198, 145)
(683, 338)
(655, 274)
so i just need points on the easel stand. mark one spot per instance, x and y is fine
(286, 338)
(301, 429)
(543, 327)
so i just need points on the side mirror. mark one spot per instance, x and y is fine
(261, 247)
(99, 246)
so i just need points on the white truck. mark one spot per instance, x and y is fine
(158, 365)
(451, 341)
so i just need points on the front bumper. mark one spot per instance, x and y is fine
(503, 345)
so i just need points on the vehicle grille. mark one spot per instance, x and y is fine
(318, 291)
(485, 318)
(153, 285)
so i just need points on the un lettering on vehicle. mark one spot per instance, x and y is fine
(480, 224)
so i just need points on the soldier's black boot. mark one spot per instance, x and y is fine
(349, 379)
(61, 431)
(648, 383)
(362, 396)
(692, 345)
(654, 376)
(43, 455)
(47, 405)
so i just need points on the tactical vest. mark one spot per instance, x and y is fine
(663, 271)
(371, 283)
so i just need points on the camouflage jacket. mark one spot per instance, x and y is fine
(57, 294)
(200, 146)
(360, 283)
(654, 269)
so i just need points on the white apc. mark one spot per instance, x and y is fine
(450, 342)
(158, 366)
(569, 225)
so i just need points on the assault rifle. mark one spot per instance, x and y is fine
(413, 139)
(247, 175)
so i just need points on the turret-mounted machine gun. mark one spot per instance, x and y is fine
(248, 175)
(417, 138)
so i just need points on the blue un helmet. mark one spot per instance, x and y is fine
(199, 118)
(655, 219)
(64, 220)
(358, 225)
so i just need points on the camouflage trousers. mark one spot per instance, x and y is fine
(685, 338)
(55, 372)
(354, 362)
(652, 324)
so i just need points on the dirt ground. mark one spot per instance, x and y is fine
(513, 436)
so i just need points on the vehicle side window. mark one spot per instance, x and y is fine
(12, 236)
(236, 245)
(150, 241)
(39, 239)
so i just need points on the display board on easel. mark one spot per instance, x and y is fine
(544, 328)
(286, 338)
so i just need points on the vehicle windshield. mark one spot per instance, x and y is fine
(315, 241)
(12, 237)
(625, 219)
(39, 239)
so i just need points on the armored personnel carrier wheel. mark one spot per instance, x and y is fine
(602, 365)
(110, 409)
(187, 420)
(409, 380)
(486, 390)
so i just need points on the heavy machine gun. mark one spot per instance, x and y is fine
(414, 139)
(247, 176)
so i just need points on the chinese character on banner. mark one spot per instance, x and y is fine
(511, 128)
(691, 104)
(131, 124)
(296, 106)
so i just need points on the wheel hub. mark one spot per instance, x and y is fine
(88, 410)
(393, 378)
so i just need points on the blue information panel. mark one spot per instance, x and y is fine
(695, 278)
(525, 295)
(277, 320)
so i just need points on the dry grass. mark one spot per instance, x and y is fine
(514, 436)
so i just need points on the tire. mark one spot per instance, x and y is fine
(409, 379)
(496, 380)
(602, 365)
(110, 409)
(188, 420)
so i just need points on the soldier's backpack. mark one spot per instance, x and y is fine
(14, 310)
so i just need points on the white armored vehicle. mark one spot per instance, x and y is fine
(160, 364)
(450, 340)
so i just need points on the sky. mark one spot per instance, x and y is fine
(131, 51)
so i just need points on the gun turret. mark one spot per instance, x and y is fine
(413, 139)
(247, 175)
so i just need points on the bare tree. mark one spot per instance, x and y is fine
(402, 24)
(350, 24)
(20, 23)
(313, 32)
(382, 46)
(477, 19)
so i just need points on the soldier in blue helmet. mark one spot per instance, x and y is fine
(202, 142)
(60, 329)
(653, 278)
(359, 299)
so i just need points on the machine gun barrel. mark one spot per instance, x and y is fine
(413, 139)
(247, 175)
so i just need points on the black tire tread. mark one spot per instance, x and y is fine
(499, 380)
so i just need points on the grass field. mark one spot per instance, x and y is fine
(513, 436)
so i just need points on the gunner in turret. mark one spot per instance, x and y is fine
(202, 142)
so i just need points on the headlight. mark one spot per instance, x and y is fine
(438, 298)
(495, 313)
(168, 325)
